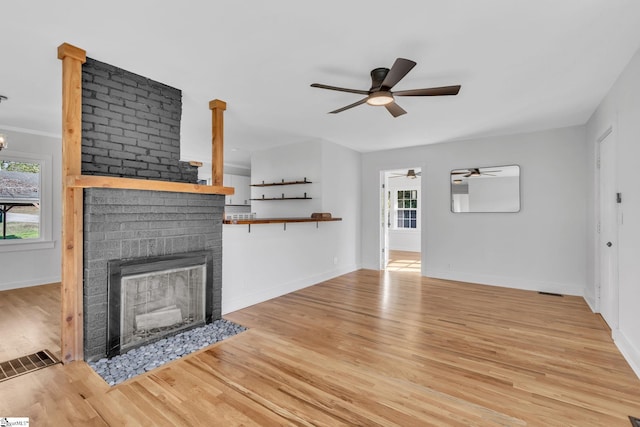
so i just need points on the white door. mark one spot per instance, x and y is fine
(384, 221)
(608, 241)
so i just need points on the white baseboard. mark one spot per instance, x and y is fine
(507, 282)
(590, 302)
(28, 283)
(628, 350)
(247, 300)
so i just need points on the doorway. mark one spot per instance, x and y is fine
(608, 229)
(401, 200)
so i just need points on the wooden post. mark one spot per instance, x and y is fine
(71, 337)
(217, 108)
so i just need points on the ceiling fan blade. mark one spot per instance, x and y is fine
(355, 104)
(341, 89)
(395, 109)
(399, 69)
(433, 91)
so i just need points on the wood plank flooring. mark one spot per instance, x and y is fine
(404, 261)
(29, 321)
(368, 348)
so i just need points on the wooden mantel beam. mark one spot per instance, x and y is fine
(71, 337)
(217, 108)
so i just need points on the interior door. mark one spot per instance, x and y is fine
(384, 221)
(608, 242)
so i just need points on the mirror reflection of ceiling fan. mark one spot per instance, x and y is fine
(466, 173)
(411, 173)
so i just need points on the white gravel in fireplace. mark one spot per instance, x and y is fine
(150, 356)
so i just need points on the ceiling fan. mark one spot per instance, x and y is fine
(411, 173)
(382, 81)
(466, 173)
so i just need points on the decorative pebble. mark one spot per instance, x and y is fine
(150, 356)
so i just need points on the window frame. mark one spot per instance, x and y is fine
(397, 209)
(45, 240)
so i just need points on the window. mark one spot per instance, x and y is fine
(37, 233)
(407, 209)
(20, 182)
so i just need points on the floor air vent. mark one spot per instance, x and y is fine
(26, 364)
(550, 293)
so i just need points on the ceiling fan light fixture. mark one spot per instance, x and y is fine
(382, 97)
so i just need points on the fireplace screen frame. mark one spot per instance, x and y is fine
(117, 269)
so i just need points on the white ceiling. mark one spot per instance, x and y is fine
(523, 65)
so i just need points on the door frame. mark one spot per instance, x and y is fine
(384, 220)
(610, 136)
(385, 211)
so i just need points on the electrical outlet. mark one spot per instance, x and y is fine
(335, 260)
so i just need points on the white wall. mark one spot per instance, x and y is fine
(269, 261)
(407, 239)
(621, 111)
(292, 162)
(31, 264)
(542, 247)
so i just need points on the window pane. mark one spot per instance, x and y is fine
(19, 199)
(406, 209)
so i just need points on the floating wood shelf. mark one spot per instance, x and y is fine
(284, 221)
(285, 198)
(277, 220)
(271, 184)
(93, 181)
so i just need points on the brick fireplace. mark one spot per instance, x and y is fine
(141, 225)
(131, 129)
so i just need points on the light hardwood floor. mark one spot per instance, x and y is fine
(368, 348)
(29, 321)
(404, 261)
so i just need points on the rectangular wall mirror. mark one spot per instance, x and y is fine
(489, 189)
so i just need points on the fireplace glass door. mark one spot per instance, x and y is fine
(154, 299)
(160, 303)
